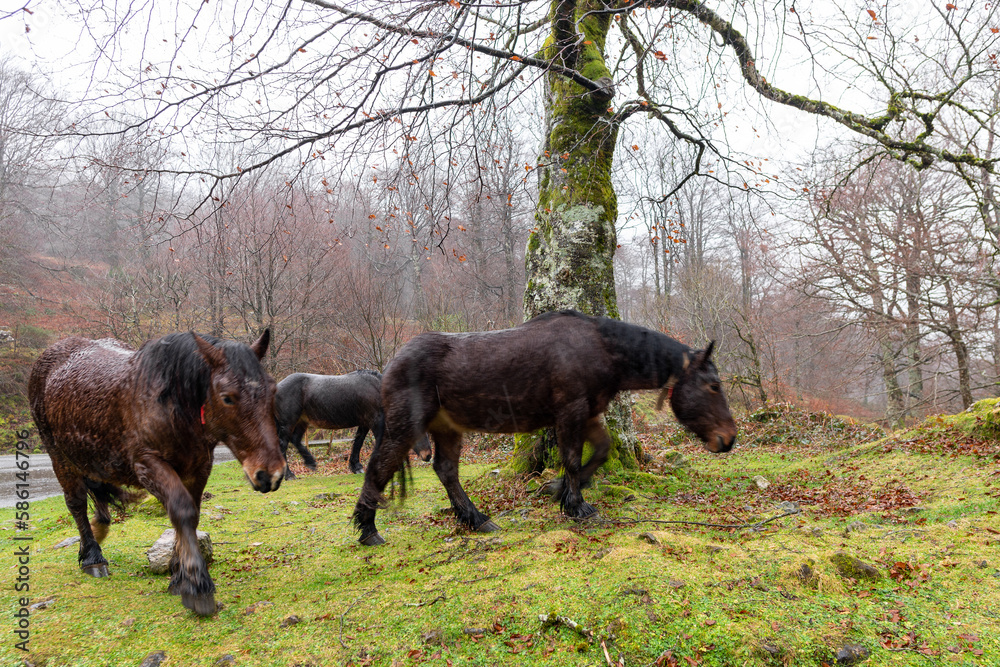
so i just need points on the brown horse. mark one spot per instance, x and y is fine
(560, 370)
(110, 416)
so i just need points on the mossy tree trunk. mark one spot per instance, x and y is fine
(570, 253)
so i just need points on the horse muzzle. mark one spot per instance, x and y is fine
(720, 442)
(264, 482)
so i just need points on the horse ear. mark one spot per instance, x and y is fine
(213, 356)
(708, 351)
(260, 345)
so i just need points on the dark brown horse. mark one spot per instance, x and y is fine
(560, 370)
(110, 416)
(333, 402)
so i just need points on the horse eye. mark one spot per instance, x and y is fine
(715, 387)
(228, 400)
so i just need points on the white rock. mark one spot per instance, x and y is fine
(162, 551)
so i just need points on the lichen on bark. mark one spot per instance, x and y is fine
(569, 259)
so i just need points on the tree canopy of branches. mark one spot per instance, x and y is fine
(313, 86)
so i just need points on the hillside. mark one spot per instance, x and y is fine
(815, 542)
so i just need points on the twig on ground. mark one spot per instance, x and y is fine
(902, 530)
(426, 604)
(347, 611)
(277, 525)
(756, 524)
(852, 454)
(549, 620)
(490, 576)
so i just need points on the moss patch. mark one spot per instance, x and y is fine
(649, 578)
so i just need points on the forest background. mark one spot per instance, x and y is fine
(843, 262)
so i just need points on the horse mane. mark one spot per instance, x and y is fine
(173, 367)
(643, 351)
(366, 371)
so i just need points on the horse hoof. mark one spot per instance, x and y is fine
(97, 570)
(289, 474)
(372, 540)
(358, 469)
(203, 605)
(585, 511)
(487, 527)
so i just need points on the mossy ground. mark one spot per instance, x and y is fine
(646, 591)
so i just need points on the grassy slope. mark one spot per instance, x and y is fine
(920, 507)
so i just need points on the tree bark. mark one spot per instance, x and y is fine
(570, 253)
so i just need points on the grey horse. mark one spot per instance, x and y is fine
(333, 402)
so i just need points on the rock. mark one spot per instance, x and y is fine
(67, 542)
(807, 575)
(761, 482)
(289, 621)
(952, 524)
(675, 459)
(855, 527)
(771, 648)
(433, 637)
(851, 654)
(226, 661)
(788, 506)
(849, 566)
(154, 659)
(649, 537)
(162, 551)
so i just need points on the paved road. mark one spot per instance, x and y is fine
(43, 480)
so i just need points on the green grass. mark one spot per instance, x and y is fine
(650, 593)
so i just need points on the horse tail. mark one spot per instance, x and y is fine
(105, 494)
(404, 476)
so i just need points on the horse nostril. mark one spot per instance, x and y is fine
(263, 481)
(724, 445)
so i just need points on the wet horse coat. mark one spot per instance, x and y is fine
(561, 370)
(110, 416)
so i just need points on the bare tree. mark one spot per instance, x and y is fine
(26, 120)
(296, 83)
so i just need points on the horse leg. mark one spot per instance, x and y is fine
(303, 451)
(597, 436)
(296, 440)
(570, 433)
(354, 461)
(195, 487)
(190, 578)
(387, 458)
(447, 448)
(91, 557)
